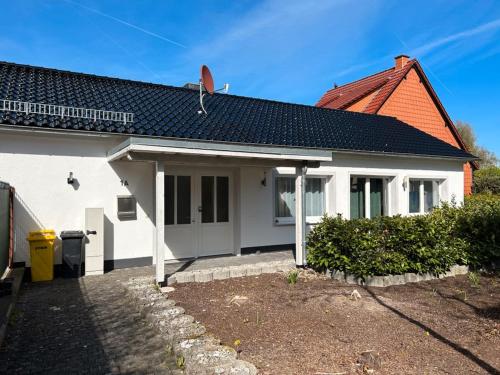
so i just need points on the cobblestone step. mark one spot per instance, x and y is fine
(196, 352)
(221, 273)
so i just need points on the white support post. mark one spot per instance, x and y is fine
(300, 216)
(159, 240)
(367, 198)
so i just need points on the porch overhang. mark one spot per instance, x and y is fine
(136, 148)
(163, 152)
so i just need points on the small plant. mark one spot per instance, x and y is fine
(157, 287)
(236, 345)
(462, 294)
(473, 279)
(292, 277)
(14, 316)
(180, 362)
(258, 319)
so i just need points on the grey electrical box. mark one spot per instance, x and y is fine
(127, 207)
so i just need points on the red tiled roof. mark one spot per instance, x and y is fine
(382, 85)
(385, 82)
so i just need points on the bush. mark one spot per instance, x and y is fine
(487, 180)
(478, 223)
(395, 245)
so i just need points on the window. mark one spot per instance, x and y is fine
(222, 199)
(177, 200)
(357, 197)
(414, 196)
(373, 205)
(285, 198)
(423, 195)
(215, 199)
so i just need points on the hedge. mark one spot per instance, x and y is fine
(467, 234)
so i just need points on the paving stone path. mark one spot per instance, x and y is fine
(85, 326)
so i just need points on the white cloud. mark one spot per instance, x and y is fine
(432, 45)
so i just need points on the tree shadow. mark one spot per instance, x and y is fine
(467, 353)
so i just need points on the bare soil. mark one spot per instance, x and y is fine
(447, 326)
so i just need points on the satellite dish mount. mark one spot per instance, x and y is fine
(207, 83)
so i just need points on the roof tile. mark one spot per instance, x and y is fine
(172, 112)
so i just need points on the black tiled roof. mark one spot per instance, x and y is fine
(166, 111)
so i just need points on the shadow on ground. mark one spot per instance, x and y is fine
(80, 326)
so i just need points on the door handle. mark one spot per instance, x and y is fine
(91, 232)
(200, 209)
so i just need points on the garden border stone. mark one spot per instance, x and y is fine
(389, 280)
(196, 352)
(221, 273)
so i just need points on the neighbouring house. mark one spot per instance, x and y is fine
(402, 91)
(176, 183)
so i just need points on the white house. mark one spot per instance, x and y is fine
(177, 183)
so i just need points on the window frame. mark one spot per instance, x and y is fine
(421, 193)
(290, 220)
(387, 191)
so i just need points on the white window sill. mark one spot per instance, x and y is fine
(285, 221)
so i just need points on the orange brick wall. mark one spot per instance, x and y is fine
(410, 102)
(361, 104)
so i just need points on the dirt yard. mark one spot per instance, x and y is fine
(448, 326)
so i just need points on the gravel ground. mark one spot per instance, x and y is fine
(447, 326)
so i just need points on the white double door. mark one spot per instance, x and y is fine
(198, 212)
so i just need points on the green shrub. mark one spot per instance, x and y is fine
(487, 180)
(467, 234)
(478, 223)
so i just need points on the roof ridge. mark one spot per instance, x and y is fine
(91, 75)
(358, 80)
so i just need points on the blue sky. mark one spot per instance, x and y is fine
(277, 49)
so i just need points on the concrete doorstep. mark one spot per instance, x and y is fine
(221, 273)
(383, 281)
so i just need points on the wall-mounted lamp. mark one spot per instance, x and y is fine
(263, 182)
(71, 179)
(405, 182)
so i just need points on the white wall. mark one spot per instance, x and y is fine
(257, 220)
(38, 166)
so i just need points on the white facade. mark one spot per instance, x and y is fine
(37, 165)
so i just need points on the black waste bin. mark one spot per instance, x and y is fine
(72, 253)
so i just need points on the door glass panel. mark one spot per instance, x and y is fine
(414, 196)
(183, 199)
(169, 200)
(207, 199)
(222, 199)
(376, 197)
(357, 197)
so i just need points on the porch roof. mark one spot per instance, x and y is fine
(137, 148)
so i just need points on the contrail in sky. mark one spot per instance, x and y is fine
(127, 24)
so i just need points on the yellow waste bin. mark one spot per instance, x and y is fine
(42, 254)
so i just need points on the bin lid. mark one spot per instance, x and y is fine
(40, 235)
(72, 234)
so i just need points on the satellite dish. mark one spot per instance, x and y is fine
(206, 79)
